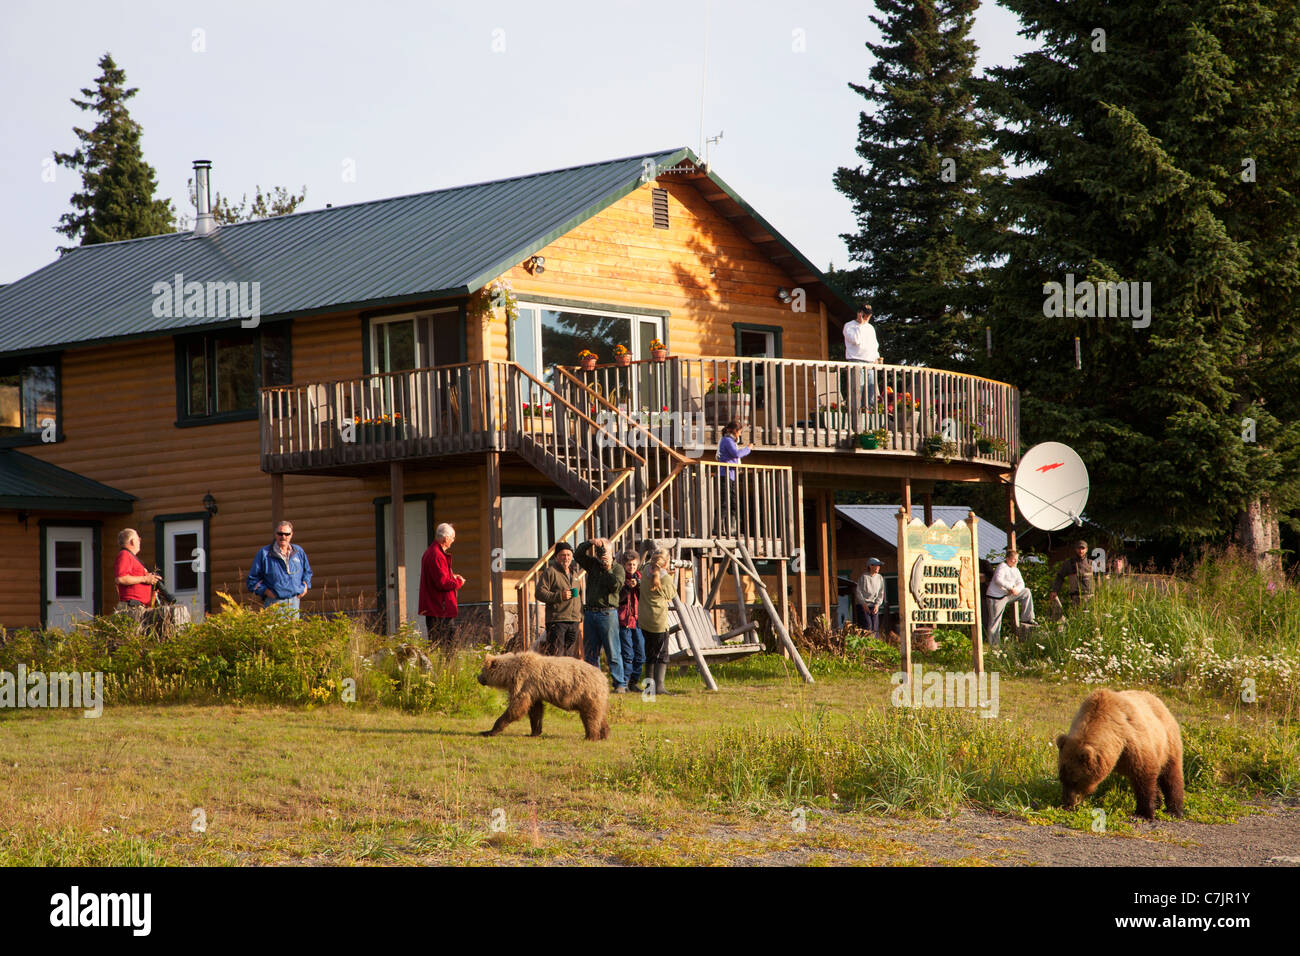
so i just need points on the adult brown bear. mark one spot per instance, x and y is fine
(534, 681)
(1130, 731)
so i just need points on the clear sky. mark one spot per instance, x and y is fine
(420, 96)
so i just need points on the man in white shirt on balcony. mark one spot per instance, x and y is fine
(1008, 585)
(860, 345)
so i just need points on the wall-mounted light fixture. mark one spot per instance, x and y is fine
(209, 504)
(784, 294)
(537, 265)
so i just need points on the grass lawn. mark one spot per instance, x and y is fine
(695, 777)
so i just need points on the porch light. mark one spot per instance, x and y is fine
(537, 265)
(209, 504)
(783, 294)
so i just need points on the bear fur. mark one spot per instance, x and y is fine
(1130, 731)
(534, 680)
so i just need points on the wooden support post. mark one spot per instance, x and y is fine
(907, 496)
(801, 570)
(397, 553)
(277, 497)
(1011, 516)
(928, 506)
(832, 614)
(904, 597)
(977, 631)
(824, 542)
(496, 559)
(783, 582)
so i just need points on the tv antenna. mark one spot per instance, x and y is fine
(707, 143)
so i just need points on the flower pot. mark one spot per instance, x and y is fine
(623, 361)
(984, 446)
(723, 407)
(587, 364)
(659, 355)
(835, 419)
(868, 441)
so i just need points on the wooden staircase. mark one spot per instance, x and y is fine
(639, 490)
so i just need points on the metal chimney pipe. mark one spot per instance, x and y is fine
(204, 223)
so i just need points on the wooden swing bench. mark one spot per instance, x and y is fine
(691, 633)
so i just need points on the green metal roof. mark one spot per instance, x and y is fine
(442, 244)
(34, 485)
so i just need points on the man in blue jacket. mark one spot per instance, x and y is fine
(281, 573)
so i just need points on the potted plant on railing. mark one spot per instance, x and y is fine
(587, 359)
(878, 438)
(383, 428)
(622, 357)
(658, 351)
(936, 446)
(726, 400)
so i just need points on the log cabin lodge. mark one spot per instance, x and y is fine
(415, 361)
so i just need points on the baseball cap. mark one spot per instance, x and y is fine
(874, 562)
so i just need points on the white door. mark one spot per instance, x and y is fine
(69, 571)
(417, 540)
(185, 564)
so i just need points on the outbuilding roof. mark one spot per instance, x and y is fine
(880, 521)
(30, 484)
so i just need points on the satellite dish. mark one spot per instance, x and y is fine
(1051, 486)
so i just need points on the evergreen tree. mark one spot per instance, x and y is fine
(918, 196)
(1134, 120)
(117, 195)
(276, 201)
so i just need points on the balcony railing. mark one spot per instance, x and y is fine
(814, 405)
(384, 417)
(785, 404)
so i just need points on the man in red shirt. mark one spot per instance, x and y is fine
(438, 587)
(134, 582)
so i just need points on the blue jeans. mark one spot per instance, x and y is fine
(600, 629)
(633, 647)
(272, 601)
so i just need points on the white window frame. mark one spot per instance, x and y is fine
(428, 315)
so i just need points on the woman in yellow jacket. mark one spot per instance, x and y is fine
(657, 593)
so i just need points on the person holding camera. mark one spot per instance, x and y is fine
(657, 594)
(557, 588)
(134, 581)
(605, 580)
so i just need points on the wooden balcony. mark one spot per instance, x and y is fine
(815, 406)
(786, 405)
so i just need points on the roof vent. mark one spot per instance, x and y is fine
(660, 208)
(204, 224)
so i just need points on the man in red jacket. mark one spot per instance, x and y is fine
(438, 587)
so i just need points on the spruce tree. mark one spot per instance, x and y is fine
(917, 197)
(116, 200)
(1133, 120)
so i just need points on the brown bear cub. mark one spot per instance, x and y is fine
(1130, 731)
(533, 681)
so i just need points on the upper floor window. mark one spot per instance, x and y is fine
(218, 373)
(29, 400)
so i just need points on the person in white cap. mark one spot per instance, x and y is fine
(871, 595)
(1008, 585)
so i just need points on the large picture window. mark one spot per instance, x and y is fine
(218, 374)
(544, 336)
(29, 400)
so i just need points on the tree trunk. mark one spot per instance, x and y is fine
(1258, 533)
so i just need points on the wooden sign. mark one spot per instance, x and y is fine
(938, 581)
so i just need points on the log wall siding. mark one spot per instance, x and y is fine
(618, 257)
(119, 413)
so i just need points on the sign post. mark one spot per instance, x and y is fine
(938, 581)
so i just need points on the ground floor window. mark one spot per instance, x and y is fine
(531, 523)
